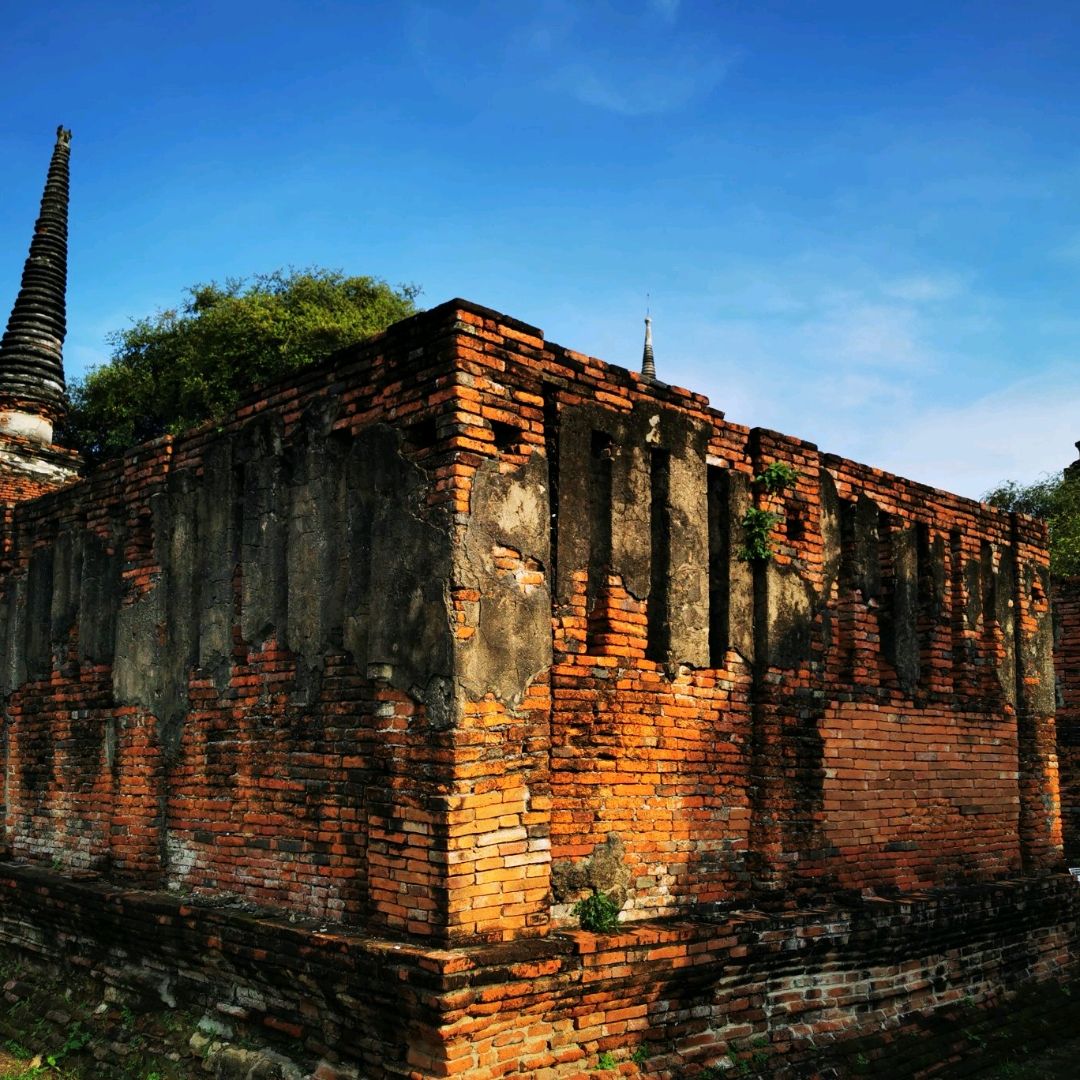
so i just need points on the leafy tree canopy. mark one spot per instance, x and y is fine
(184, 366)
(1055, 499)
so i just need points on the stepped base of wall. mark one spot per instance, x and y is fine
(782, 993)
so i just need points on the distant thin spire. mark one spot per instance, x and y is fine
(31, 351)
(648, 362)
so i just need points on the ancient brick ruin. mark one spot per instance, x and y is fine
(326, 716)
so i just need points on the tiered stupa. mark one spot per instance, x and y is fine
(32, 389)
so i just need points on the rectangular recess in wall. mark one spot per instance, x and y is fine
(958, 642)
(926, 600)
(551, 451)
(659, 614)
(719, 503)
(849, 579)
(888, 630)
(601, 452)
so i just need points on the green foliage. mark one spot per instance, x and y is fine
(76, 1039)
(606, 1060)
(776, 476)
(1055, 499)
(757, 525)
(597, 913)
(640, 1055)
(182, 367)
(17, 1050)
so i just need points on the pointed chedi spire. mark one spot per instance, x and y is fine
(32, 389)
(648, 363)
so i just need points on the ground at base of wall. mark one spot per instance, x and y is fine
(1034, 1035)
(57, 1026)
(60, 1026)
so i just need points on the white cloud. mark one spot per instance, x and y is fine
(635, 90)
(630, 59)
(870, 365)
(924, 288)
(621, 60)
(667, 9)
(1018, 432)
(863, 333)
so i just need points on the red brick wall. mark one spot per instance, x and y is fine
(1066, 599)
(866, 710)
(437, 638)
(29, 469)
(244, 773)
(830, 768)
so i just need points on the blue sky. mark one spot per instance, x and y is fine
(858, 223)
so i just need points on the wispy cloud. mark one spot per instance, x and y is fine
(631, 59)
(867, 334)
(867, 365)
(635, 61)
(647, 91)
(1019, 432)
(880, 366)
(923, 288)
(666, 9)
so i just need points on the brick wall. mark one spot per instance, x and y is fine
(456, 629)
(868, 709)
(1066, 600)
(764, 994)
(29, 469)
(336, 656)
(207, 688)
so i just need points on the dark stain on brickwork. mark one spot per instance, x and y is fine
(400, 561)
(97, 566)
(604, 871)
(330, 528)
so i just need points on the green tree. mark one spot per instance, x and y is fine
(1055, 499)
(181, 367)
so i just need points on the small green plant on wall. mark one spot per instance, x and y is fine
(757, 522)
(776, 476)
(597, 913)
(757, 525)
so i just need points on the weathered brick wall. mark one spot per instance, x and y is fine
(1066, 601)
(416, 626)
(756, 994)
(450, 632)
(207, 684)
(29, 469)
(868, 709)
